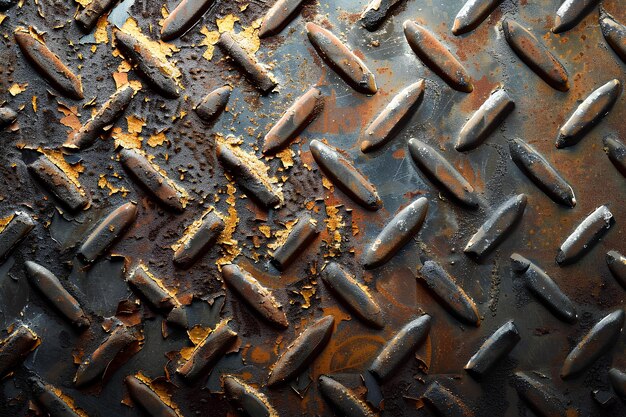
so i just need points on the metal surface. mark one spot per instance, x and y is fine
(182, 179)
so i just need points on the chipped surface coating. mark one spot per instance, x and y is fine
(589, 113)
(487, 118)
(66, 189)
(472, 15)
(294, 121)
(535, 55)
(437, 57)
(147, 399)
(541, 172)
(246, 398)
(198, 239)
(449, 293)
(278, 16)
(544, 288)
(400, 347)
(208, 351)
(585, 236)
(95, 365)
(396, 234)
(160, 74)
(300, 237)
(341, 59)
(18, 227)
(184, 17)
(442, 173)
(342, 400)
(50, 286)
(497, 227)
(594, 344)
(496, 347)
(302, 351)
(343, 174)
(353, 293)
(16, 347)
(153, 179)
(256, 73)
(106, 116)
(48, 64)
(391, 120)
(51, 399)
(108, 232)
(254, 294)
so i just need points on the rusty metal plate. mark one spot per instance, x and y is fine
(312, 207)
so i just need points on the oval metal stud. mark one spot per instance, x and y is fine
(376, 12)
(246, 398)
(302, 351)
(539, 397)
(442, 173)
(391, 120)
(108, 232)
(294, 121)
(256, 73)
(445, 402)
(618, 381)
(52, 289)
(52, 400)
(184, 17)
(145, 397)
(585, 236)
(602, 336)
(153, 180)
(106, 116)
(95, 365)
(400, 347)
(254, 294)
(571, 12)
(588, 114)
(616, 150)
(160, 74)
(354, 294)
(535, 55)
(88, 17)
(496, 347)
(617, 264)
(152, 289)
(302, 235)
(544, 288)
(437, 57)
(541, 172)
(345, 176)
(208, 351)
(7, 116)
(342, 399)
(497, 227)
(278, 17)
(449, 293)
(614, 33)
(396, 234)
(341, 59)
(14, 232)
(485, 120)
(48, 64)
(253, 182)
(199, 237)
(68, 191)
(16, 347)
(472, 14)
(213, 104)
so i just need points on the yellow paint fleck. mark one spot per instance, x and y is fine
(286, 157)
(334, 224)
(5, 221)
(307, 292)
(103, 182)
(34, 103)
(135, 124)
(157, 139)
(100, 34)
(229, 245)
(16, 89)
(265, 229)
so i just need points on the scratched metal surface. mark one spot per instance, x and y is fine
(188, 155)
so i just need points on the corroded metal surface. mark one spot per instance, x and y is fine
(283, 208)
